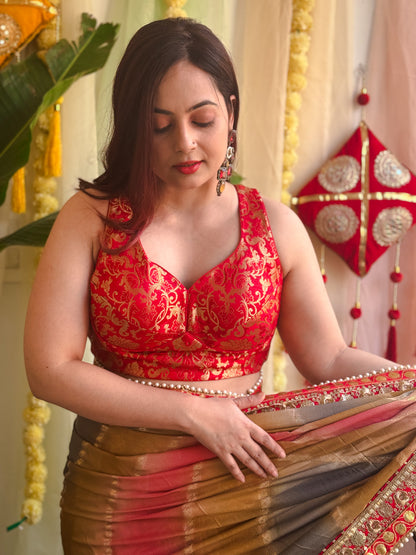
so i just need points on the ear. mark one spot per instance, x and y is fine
(231, 114)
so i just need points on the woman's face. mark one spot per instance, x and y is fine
(190, 128)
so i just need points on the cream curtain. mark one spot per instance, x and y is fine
(340, 44)
(256, 32)
(391, 114)
(326, 119)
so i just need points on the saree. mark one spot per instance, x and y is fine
(347, 485)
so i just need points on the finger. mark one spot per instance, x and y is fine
(233, 467)
(263, 438)
(249, 400)
(261, 458)
(256, 461)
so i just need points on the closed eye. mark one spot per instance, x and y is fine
(160, 130)
(203, 123)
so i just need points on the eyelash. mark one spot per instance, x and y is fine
(167, 127)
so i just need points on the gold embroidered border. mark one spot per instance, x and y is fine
(395, 380)
(386, 521)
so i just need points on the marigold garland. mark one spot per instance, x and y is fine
(296, 81)
(37, 412)
(175, 8)
(36, 415)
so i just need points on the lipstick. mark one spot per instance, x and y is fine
(188, 168)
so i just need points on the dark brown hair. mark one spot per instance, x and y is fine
(152, 51)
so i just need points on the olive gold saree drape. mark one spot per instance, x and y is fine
(347, 485)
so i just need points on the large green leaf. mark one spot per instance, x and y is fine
(31, 86)
(33, 234)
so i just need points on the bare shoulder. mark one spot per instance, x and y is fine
(81, 218)
(281, 216)
(289, 233)
(84, 208)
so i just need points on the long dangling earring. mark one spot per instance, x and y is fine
(226, 169)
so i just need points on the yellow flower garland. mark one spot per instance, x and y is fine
(36, 415)
(296, 81)
(37, 412)
(175, 8)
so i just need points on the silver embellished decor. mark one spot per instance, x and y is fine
(391, 225)
(362, 201)
(389, 171)
(336, 223)
(10, 34)
(340, 174)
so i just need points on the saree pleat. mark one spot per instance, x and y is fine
(347, 484)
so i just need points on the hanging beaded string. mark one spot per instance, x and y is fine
(362, 99)
(394, 313)
(322, 263)
(356, 313)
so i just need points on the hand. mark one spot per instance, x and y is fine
(220, 425)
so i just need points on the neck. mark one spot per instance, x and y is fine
(192, 201)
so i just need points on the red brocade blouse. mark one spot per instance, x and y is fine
(146, 323)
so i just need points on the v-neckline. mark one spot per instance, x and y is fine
(208, 272)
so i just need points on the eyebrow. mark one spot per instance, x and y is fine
(195, 107)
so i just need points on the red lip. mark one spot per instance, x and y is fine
(188, 167)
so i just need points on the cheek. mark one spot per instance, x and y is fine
(158, 154)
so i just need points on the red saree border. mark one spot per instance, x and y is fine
(386, 522)
(396, 379)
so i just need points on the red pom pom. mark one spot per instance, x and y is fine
(394, 314)
(355, 312)
(325, 278)
(396, 277)
(363, 99)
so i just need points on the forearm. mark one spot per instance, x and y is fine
(100, 395)
(353, 362)
(217, 423)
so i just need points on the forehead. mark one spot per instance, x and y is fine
(186, 84)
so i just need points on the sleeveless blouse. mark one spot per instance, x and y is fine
(145, 323)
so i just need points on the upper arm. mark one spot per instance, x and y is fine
(57, 319)
(307, 323)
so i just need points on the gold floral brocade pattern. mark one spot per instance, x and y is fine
(146, 323)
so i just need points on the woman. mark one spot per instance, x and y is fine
(179, 279)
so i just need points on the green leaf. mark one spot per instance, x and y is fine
(31, 86)
(33, 234)
(236, 178)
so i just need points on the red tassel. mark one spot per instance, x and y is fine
(391, 352)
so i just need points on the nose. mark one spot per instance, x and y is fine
(184, 138)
